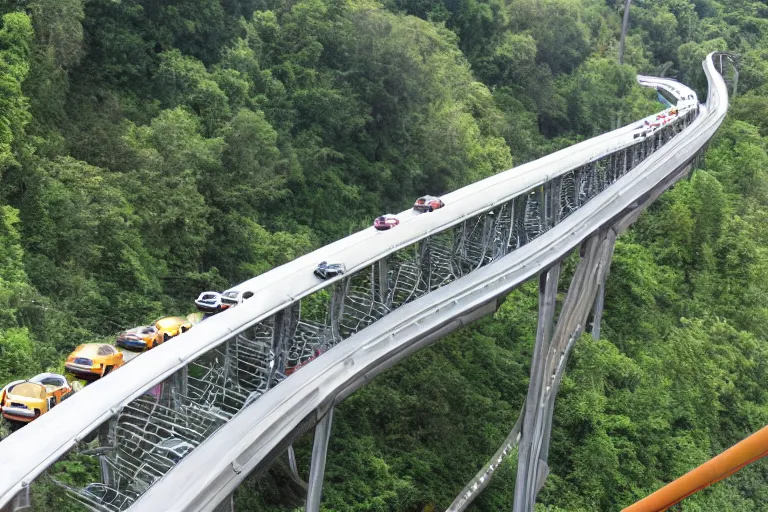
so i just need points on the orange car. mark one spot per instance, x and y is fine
(94, 360)
(26, 400)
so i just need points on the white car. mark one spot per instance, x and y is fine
(235, 296)
(210, 302)
(174, 449)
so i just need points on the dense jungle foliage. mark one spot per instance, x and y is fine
(151, 149)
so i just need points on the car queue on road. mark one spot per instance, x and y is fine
(22, 401)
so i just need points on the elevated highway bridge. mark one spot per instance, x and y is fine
(215, 405)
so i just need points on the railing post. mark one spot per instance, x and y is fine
(338, 297)
(317, 469)
(285, 323)
(179, 388)
(382, 275)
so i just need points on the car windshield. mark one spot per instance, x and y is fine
(106, 350)
(28, 390)
(51, 381)
(230, 297)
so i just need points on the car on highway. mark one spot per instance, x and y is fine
(384, 222)
(428, 204)
(235, 296)
(327, 270)
(27, 400)
(171, 326)
(144, 337)
(93, 360)
(173, 449)
(292, 369)
(210, 302)
(4, 391)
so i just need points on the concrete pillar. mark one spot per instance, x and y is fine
(549, 359)
(317, 469)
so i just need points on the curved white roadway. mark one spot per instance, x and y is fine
(247, 441)
(34, 448)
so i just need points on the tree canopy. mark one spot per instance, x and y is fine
(152, 149)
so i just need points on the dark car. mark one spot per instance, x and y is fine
(385, 222)
(326, 271)
(428, 204)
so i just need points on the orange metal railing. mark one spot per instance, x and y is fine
(727, 463)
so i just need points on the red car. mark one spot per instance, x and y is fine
(385, 222)
(292, 369)
(428, 204)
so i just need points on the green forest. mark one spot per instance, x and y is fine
(153, 149)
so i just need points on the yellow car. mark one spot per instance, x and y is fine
(27, 400)
(4, 392)
(171, 326)
(94, 360)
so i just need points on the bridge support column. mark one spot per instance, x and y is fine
(550, 356)
(547, 301)
(295, 468)
(317, 469)
(600, 298)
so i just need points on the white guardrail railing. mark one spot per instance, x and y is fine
(254, 433)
